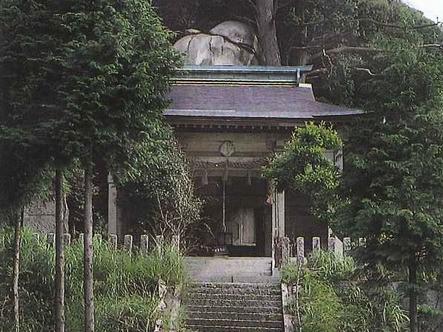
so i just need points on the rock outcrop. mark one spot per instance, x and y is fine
(229, 43)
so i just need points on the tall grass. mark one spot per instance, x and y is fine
(125, 285)
(333, 297)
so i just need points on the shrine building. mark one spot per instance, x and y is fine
(229, 120)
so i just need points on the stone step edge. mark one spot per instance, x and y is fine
(253, 314)
(196, 294)
(218, 294)
(236, 320)
(235, 287)
(234, 291)
(226, 290)
(235, 328)
(215, 283)
(239, 313)
(233, 307)
(229, 300)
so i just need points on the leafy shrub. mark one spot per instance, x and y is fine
(125, 285)
(303, 166)
(333, 297)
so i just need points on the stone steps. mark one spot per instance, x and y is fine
(235, 323)
(231, 309)
(229, 269)
(219, 307)
(236, 288)
(234, 297)
(235, 303)
(238, 315)
(232, 329)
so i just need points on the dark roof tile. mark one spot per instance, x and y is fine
(249, 101)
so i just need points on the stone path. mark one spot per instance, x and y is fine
(233, 294)
(219, 307)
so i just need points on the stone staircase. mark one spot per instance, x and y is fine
(219, 307)
(231, 269)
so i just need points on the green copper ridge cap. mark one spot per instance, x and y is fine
(266, 75)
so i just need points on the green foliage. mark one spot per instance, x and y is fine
(125, 285)
(159, 189)
(131, 314)
(20, 180)
(360, 33)
(394, 158)
(320, 306)
(79, 80)
(303, 166)
(334, 297)
(125, 63)
(94, 90)
(36, 283)
(304, 29)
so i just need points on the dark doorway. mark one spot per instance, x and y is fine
(242, 226)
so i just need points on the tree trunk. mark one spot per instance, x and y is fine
(16, 270)
(88, 282)
(267, 31)
(301, 55)
(65, 214)
(413, 294)
(59, 255)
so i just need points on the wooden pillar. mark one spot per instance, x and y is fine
(114, 226)
(274, 228)
(278, 222)
(281, 213)
(278, 213)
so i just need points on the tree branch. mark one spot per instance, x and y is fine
(439, 46)
(246, 47)
(322, 71)
(401, 27)
(331, 64)
(371, 20)
(368, 71)
(318, 71)
(350, 49)
(353, 49)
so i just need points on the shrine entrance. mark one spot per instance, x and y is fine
(238, 213)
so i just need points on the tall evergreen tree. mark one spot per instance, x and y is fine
(393, 167)
(82, 79)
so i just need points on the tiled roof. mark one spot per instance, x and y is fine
(250, 101)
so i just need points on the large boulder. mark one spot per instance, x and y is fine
(229, 43)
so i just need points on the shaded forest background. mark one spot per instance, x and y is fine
(345, 40)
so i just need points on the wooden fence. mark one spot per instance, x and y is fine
(146, 243)
(286, 251)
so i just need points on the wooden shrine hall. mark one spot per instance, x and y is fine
(229, 120)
